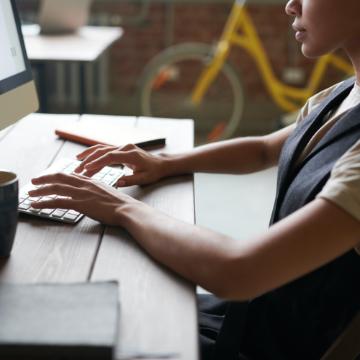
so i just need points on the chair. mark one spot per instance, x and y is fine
(347, 345)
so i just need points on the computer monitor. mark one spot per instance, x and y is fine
(17, 90)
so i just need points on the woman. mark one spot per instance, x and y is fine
(295, 287)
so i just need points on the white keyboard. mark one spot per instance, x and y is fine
(108, 175)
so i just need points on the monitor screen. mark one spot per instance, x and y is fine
(17, 91)
(12, 58)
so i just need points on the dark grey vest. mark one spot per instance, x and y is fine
(301, 320)
(298, 186)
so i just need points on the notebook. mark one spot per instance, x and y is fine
(88, 133)
(58, 321)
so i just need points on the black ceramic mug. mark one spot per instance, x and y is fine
(9, 198)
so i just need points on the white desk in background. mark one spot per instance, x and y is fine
(83, 47)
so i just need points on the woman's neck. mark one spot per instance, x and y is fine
(354, 56)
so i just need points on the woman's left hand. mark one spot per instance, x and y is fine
(89, 197)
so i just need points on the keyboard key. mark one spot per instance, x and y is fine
(108, 179)
(98, 176)
(58, 213)
(24, 206)
(46, 211)
(105, 170)
(35, 211)
(68, 216)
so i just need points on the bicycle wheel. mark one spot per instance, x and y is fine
(168, 80)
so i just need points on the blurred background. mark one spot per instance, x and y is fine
(151, 26)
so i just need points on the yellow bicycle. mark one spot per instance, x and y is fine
(195, 80)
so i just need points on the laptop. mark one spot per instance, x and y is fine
(63, 16)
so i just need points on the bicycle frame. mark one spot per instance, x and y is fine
(240, 31)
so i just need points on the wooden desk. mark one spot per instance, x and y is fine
(84, 46)
(158, 309)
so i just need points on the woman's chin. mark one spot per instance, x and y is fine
(310, 52)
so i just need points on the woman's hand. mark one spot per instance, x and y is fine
(84, 195)
(147, 168)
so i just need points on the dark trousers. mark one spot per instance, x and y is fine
(221, 326)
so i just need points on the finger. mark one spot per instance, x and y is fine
(60, 178)
(96, 153)
(130, 180)
(58, 189)
(113, 158)
(89, 150)
(60, 203)
(128, 147)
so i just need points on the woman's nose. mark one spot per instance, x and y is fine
(293, 8)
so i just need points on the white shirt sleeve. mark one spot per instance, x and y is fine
(343, 186)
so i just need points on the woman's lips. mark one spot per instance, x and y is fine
(300, 35)
(300, 32)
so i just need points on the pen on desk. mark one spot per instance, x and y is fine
(148, 356)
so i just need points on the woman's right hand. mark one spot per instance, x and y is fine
(147, 168)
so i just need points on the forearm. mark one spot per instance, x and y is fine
(237, 156)
(196, 253)
(245, 268)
